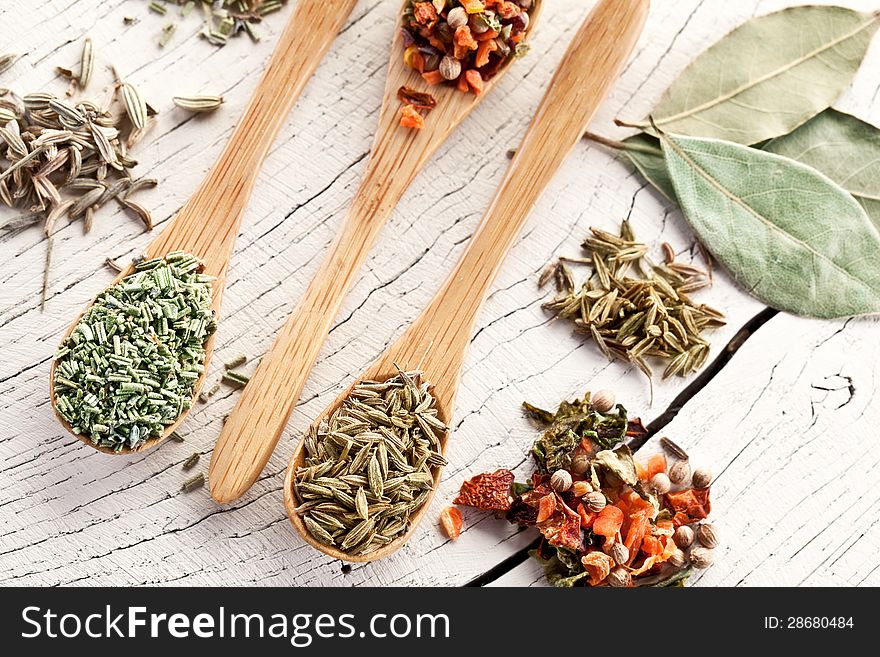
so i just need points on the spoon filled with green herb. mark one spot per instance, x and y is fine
(129, 367)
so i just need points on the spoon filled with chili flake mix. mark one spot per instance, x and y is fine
(406, 417)
(129, 367)
(255, 425)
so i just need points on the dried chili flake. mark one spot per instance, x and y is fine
(489, 492)
(417, 99)
(411, 118)
(425, 14)
(563, 528)
(451, 522)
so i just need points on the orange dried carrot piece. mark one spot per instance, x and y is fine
(474, 81)
(473, 6)
(587, 517)
(546, 507)
(488, 35)
(451, 521)
(432, 77)
(637, 528)
(609, 521)
(652, 546)
(655, 465)
(410, 118)
(483, 51)
(462, 84)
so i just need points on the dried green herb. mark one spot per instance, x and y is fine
(222, 19)
(235, 378)
(769, 75)
(371, 464)
(129, 367)
(788, 234)
(191, 461)
(193, 483)
(572, 423)
(635, 310)
(557, 573)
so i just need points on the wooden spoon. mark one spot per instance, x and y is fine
(208, 224)
(437, 341)
(255, 425)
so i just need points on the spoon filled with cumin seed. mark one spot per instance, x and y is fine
(330, 459)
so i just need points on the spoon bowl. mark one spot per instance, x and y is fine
(208, 224)
(255, 425)
(436, 342)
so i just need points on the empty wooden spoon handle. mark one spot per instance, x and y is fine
(208, 224)
(584, 78)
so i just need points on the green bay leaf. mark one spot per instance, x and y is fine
(646, 155)
(845, 149)
(768, 76)
(788, 234)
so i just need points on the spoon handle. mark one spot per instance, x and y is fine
(583, 79)
(208, 224)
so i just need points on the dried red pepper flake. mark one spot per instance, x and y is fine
(425, 14)
(563, 528)
(489, 492)
(636, 429)
(410, 118)
(693, 502)
(418, 99)
(451, 522)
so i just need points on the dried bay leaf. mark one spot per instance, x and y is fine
(787, 233)
(768, 76)
(845, 149)
(646, 155)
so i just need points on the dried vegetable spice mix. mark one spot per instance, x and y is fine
(606, 519)
(129, 367)
(462, 43)
(370, 465)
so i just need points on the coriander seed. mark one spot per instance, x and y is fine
(457, 17)
(560, 481)
(619, 577)
(660, 483)
(595, 501)
(701, 557)
(602, 401)
(683, 537)
(679, 473)
(677, 559)
(450, 68)
(701, 478)
(620, 553)
(707, 535)
(580, 462)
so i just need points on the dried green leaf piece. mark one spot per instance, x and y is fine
(569, 426)
(769, 75)
(788, 234)
(845, 149)
(620, 462)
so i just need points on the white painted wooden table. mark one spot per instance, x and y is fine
(789, 423)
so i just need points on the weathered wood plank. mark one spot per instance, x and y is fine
(69, 515)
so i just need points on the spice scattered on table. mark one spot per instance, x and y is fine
(129, 367)
(6, 61)
(462, 43)
(633, 309)
(193, 483)
(370, 465)
(62, 157)
(222, 19)
(198, 104)
(606, 519)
